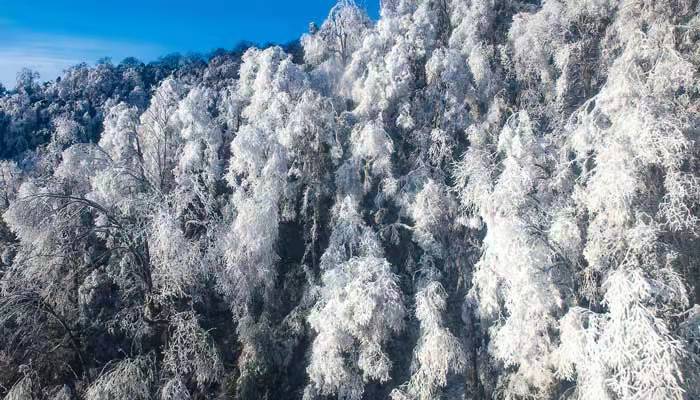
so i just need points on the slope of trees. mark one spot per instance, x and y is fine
(465, 199)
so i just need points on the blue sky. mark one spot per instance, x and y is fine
(51, 35)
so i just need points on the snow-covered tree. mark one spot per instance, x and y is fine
(438, 352)
(515, 279)
(199, 167)
(190, 353)
(257, 172)
(359, 309)
(10, 177)
(633, 142)
(130, 378)
(339, 35)
(160, 140)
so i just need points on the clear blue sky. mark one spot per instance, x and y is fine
(50, 35)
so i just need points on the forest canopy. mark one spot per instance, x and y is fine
(465, 199)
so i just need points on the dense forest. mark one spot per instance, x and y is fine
(465, 199)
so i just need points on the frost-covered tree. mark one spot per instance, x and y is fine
(190, 354)
(339, 35)
(359, 309)
(157, 134)
(11, 177)
(199, 166)
(438, 352)
(633, 142)
(515, 280)
(257, 173)
(128, 379)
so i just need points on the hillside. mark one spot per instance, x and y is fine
(466, 199)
